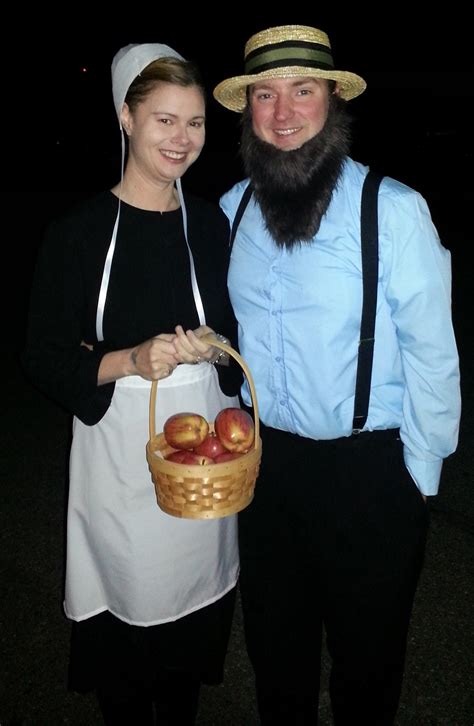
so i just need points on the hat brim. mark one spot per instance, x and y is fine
(231, 93)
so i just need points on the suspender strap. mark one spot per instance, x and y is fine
(370, 260)
(239, 214)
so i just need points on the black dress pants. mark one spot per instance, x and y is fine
(335, 536)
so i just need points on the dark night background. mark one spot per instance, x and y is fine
(414, 122)
(61, 143)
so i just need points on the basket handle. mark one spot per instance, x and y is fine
(211, 340)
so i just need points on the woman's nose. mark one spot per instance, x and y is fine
(181, 135)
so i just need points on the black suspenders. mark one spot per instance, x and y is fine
(239, 214)
(370, 266)
(369, 236)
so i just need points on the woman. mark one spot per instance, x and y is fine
(124, 287)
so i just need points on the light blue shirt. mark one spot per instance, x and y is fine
(299, 314)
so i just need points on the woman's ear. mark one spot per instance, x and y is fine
(126, 119)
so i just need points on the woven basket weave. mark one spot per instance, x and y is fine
(204, 492)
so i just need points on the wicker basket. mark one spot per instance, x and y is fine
(204, 492)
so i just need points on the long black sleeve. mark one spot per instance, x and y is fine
(149, 293)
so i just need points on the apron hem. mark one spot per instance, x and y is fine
(104, 608)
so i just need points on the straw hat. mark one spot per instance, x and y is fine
(285, 52)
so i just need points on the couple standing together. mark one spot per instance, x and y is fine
(355, 421)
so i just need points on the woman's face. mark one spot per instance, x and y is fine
(166, 131)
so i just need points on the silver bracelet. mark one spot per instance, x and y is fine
(223, 357)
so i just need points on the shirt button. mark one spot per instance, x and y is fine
(283, 402)
(278, 359)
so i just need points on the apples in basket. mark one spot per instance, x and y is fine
(196, 443)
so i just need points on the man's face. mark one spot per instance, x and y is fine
(286, 112)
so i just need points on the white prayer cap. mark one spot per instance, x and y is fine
(129, 62)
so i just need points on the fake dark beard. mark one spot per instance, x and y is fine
(294, 188)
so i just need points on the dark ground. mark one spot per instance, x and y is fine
(438, 689)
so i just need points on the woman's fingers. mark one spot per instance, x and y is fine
(186, 347)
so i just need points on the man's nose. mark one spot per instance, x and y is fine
(283, 107)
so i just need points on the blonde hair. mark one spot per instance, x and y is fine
(163, 70)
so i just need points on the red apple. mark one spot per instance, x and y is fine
(185, 430)
(183, 456)
(227, 456)
(190, 457)
(211, 446)
(177, 456)
(235, 429)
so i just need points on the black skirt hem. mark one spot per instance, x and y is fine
(105, 649)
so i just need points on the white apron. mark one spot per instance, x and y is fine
(123, 553)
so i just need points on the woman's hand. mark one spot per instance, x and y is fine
(190, 349)
(155, 358)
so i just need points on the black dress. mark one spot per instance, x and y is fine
(149, 292)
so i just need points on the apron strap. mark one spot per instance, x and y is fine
(110, 254)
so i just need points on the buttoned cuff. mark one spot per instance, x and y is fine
(425, 474)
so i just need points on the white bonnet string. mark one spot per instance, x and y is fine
(127, 64)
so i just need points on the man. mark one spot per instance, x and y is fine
(336, 532)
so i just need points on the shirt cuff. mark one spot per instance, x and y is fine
(425, 474)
